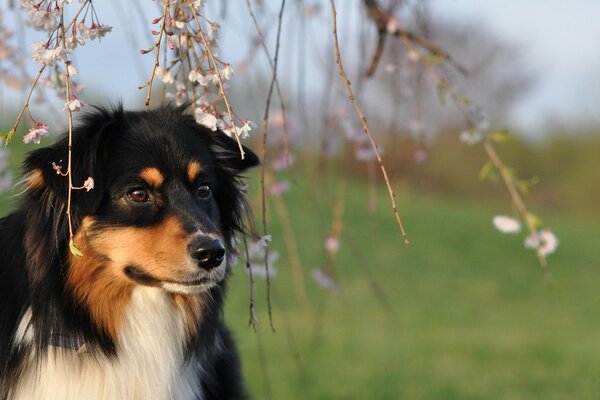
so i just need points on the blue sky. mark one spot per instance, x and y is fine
(560, 40)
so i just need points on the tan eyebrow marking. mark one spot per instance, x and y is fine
(193, 170)
(152, 176)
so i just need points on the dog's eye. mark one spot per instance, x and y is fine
(138, 196)
(204, 191)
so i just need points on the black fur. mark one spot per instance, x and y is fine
(112, 146)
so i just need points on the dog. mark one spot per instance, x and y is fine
(130, 305)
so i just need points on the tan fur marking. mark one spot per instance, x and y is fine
(193, 170)
(152, 176)
(191, 307)
(34, 179)
(98, 279)
(97, 284)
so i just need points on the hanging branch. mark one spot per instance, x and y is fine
(156, 47)
(386, 24)
(8, 136)
(215, 67)
(363, 121)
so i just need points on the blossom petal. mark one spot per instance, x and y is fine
(506, 224)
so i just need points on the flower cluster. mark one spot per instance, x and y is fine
(256, 258)
(192, 71)
(543, 240)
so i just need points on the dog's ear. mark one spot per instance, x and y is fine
(45, 168)
(227, 151)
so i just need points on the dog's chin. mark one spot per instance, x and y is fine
(194, 285)
(188, 289)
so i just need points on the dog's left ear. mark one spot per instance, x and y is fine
(227, 151)
(48, 165)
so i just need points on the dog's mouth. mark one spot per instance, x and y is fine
(192, 286)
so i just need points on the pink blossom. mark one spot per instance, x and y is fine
(364, 152)
(282, 161)
(98, 31)
(324, 280)
(544, 239)
(332, 244)
(421, 155)
(278, 188)
(35, 133)
(74, 105)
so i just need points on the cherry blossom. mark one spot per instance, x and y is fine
(506, 224)
(88, 184)
(278, 188)
(42, 54)
(246, 127)
(324, 280)
(35, 133)
(544, 239)
(332, 244)
(74, 105)
(470, 137)
(226, 72)
(164, 75)
(206, 119)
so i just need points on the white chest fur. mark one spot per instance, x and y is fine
(150, 363)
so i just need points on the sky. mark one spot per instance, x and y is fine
(560, 40)
(561, 43)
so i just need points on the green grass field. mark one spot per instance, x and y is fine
(471, 317)
(469, 314)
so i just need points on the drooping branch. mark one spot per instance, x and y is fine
(387, 24)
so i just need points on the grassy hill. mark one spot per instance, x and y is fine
(470, 314)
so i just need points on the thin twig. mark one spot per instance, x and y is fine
(363, 121)
(264, 164)
(517, 201)
(253, 321)
(157, 49)
(273, 65)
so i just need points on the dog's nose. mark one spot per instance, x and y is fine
(208, 252)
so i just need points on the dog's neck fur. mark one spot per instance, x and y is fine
(150, 360)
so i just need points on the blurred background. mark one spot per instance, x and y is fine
(463, 311)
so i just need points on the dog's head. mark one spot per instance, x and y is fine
(166, 201)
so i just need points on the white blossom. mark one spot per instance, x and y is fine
(470, 137)
(506, 224)
(206, 119)
(226, 72)
(246, 128)
(88, 184)
(544, 239)
(195, 76)
(164, 75)
(41, 54)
